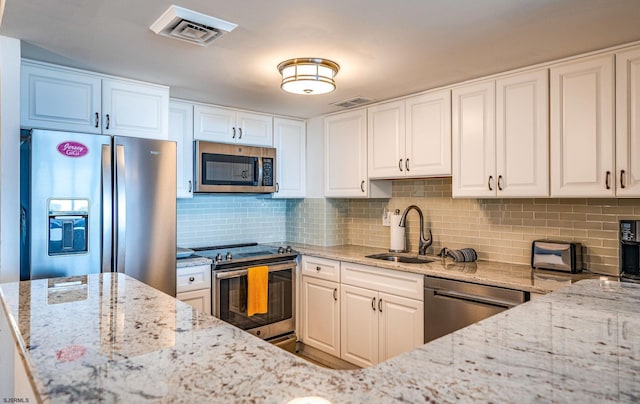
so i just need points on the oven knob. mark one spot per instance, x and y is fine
(218, 257)
(280, 250)
(289, 249)
(229, 257)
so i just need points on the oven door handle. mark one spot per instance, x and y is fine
(245, 270)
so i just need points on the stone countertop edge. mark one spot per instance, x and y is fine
(507, 275)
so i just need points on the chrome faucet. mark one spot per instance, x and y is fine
(424, 242)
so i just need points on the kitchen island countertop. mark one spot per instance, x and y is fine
(117, 340)
(513, 276)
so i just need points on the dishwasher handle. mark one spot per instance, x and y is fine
(475, 298)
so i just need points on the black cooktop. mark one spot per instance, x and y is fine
(234, 255)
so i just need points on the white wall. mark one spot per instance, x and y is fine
(315, 157)
(9, 159)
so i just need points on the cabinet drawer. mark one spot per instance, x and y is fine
(398, 283)
(321, 268)
(193, 278)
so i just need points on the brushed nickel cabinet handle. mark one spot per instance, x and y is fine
(97, 119)
(400, 165)
(373, 304)
(607, 180)
(240, 133)
(189, 186)
(499, 182)
(380, 305)
(335, 294)
(277, 187)
(234, 133)
(622, 179)
(406, 164)
(362, 186)
(489, 183)
(108, 122)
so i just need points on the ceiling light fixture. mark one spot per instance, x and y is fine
(308, 75)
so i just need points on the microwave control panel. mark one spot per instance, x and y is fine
(629, 230)
(267, 172)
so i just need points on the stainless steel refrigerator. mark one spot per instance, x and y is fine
(96, 203)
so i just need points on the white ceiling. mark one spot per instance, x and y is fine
(385, 48)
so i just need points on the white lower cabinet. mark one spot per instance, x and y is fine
(401, 325)
(321, 314)
(193, 286)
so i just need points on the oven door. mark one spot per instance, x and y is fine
(229, 300)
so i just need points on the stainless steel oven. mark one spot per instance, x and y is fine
(229, 289)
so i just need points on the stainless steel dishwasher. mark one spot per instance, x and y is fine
(451, 305)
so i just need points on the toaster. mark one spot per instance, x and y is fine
(556, 255)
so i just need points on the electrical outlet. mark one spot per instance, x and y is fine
(386, 218)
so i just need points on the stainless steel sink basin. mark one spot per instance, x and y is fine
(400, 258)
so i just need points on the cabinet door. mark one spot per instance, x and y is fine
(254, 129)
(53, 98)
(401, 325)
(428, 134)
(345, 154)
(291, 148)
(628, 123)
(386, 140)
(181, 131)
(359, 326)
(522, 135)
(135, 109)
(321, 314)
(582, 128)
(474, 149)
(199, 299)
(214, 124)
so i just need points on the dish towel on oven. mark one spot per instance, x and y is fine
(257, 290)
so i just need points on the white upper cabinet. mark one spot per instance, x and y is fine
(522, 135)
(582, 128)
(410, 138)
(215, 124)
(386, 144)
(628, 123)
(135, 109)
(57, 98)
(473, 143)
(181, 131)
(428, 134)
(345, 137)
(290, 143)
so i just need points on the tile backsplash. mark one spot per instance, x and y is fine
(207, 220)
(499, 229)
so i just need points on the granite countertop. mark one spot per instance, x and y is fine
(513, 276)
(117, 340)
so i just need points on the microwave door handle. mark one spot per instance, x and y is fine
(259, 171)
(121, 209)
(107, 204)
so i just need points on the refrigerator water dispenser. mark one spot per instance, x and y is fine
(68, 220)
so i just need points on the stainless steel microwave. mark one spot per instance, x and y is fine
(230, 168)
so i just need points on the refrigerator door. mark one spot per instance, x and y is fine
(145, 212)
(67, 227)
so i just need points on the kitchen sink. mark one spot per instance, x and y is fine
(400, 258)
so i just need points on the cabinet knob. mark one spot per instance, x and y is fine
(318, 268)
(400, 165)
(191, 279)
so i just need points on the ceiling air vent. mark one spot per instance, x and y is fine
(352, 102)
(190, 26)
